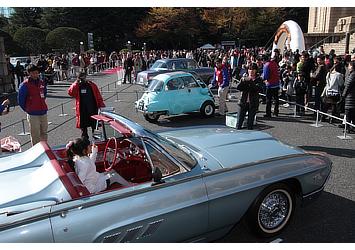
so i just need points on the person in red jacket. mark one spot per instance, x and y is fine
(87, 102)
(32, 99)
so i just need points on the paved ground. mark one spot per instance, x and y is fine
(329, 219)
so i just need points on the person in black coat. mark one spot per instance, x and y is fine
(349, 96)
(250, 86)
(128, 67)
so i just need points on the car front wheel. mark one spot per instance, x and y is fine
(207, 109)
(272, 210)
(151, 117)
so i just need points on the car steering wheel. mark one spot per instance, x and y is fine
(111, 153)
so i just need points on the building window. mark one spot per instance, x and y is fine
(316, 13)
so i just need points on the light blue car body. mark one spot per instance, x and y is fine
(174, 102)
(201, 203)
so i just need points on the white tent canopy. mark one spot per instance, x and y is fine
(207, 46)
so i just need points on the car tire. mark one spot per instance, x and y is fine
(272, 210)
(153, 118)
(207, 109)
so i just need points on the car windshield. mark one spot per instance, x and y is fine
(181, 154)
(159, 64)
(155, 85)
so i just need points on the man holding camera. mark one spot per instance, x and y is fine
(87, 102)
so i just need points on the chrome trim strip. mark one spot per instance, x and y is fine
(131, 234)
(25, 221)
(312, 193)
(320, 189)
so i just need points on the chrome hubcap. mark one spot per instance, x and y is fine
(275, 210)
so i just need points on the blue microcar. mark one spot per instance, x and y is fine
(176, 93)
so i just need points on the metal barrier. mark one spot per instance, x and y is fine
(316, 124)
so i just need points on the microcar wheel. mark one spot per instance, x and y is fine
(207, 109)
(151, 117)
(272, 210)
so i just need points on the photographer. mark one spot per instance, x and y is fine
(250, 86)
(87, 102)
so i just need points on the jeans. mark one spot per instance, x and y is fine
(251, 114)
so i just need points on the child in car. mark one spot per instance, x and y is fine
(81, 157)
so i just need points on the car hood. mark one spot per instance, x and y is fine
(231, 147)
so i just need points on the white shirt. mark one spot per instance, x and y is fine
(86, 170)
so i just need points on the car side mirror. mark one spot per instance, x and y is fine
(157, 177)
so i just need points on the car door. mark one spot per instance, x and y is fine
(177, 96)
(174, 211)
(26, 227)
(195, 99)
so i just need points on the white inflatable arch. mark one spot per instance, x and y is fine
(289, 36)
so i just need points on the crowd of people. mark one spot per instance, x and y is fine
(299, 77)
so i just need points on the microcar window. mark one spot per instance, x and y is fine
(174, 84)
(189, 82)
(155, 85)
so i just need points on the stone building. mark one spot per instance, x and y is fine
(330, 26)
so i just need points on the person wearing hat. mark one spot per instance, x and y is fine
(250, 86)
(87, 102)
(32, 99)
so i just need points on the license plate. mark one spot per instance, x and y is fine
(141, 80)
(141, 105)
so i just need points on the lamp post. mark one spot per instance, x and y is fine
(144, 46)
(81, 47)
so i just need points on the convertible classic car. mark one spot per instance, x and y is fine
(185, 185)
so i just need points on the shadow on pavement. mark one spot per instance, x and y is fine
(342, 152)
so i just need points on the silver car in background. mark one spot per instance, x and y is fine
(177, 64)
